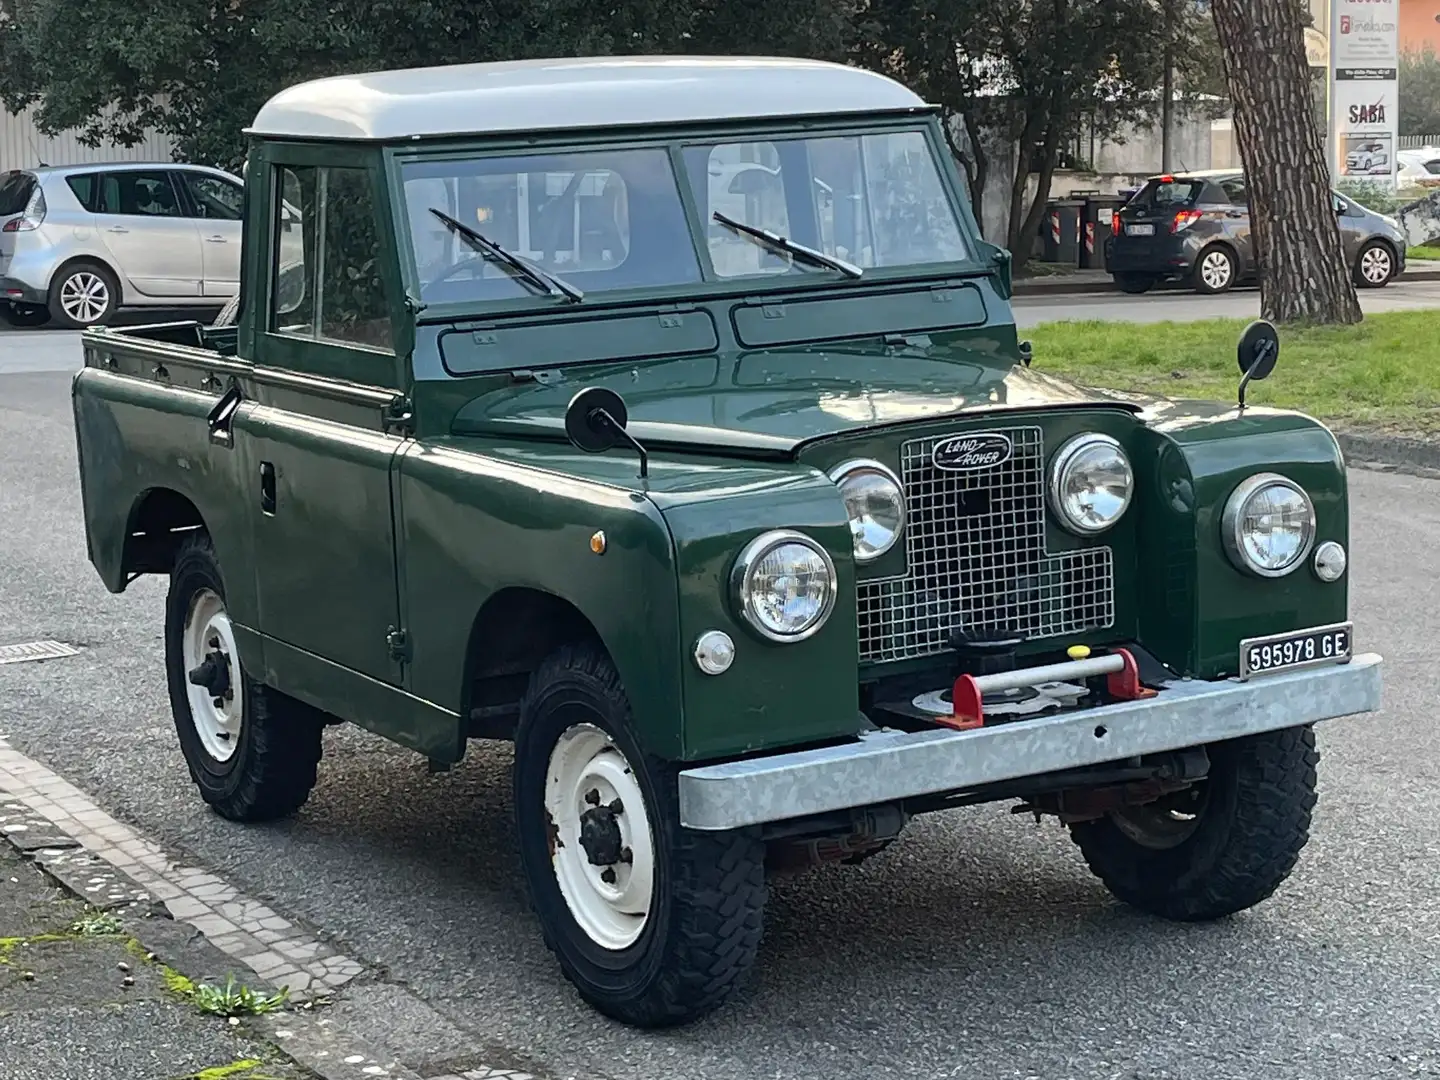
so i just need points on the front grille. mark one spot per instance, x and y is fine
(975, 544)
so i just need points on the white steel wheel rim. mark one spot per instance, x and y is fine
(610, 901)
(1215, 270)
(84, 296)
(207, 632)
(1375, 265)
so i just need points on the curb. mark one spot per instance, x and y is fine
(1033, 287)
(185, 917)
(1390, 453)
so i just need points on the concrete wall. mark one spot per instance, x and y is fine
(22, 146)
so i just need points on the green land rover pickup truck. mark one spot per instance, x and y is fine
(667, 417)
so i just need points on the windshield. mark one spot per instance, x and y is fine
(871, 200)
(600, 219)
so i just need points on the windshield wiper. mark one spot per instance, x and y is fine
(540, 279)
(776, 242)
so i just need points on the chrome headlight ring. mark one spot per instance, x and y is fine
(761, 575)
(1233, 523)
(1096, 452)
(875, 504)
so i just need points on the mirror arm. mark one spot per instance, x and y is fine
(1244, 382)
(602, 417)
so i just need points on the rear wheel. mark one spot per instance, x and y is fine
(1219, 847)
(653, 923)
(1375, 265)
(1215, 270)
(1135, 283)
(84, 294)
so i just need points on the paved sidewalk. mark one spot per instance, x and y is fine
(79, 1000)
(1098, 281)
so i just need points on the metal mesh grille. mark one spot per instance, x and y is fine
(975, 542)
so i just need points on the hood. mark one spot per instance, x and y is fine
(774, 402)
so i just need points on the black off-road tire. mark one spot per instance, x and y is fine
(273, 769)
(1255, 821)
(704, 926)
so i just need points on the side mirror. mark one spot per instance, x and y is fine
(595, 422)
(1258, 350)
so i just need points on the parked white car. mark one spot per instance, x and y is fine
(80, 242)
(1420, 167)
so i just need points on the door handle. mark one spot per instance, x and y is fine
(221, 418)
(215, 239)
(267, 488)
(117, 229)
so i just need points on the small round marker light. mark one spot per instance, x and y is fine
(597, 542)
(1329, 561)
(714, 652)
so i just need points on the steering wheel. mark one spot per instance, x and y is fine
(463, 264)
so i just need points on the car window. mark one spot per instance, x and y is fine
(1165, 193)
(213, 197)
(141, 194)
(326, 268)
(873, 200)
(85, 188)
(15, 191)
(1236, 191)
(602, 220)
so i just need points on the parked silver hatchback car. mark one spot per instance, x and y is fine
(80, 242)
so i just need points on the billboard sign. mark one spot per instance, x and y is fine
(1364, 88)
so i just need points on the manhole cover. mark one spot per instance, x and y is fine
(35, 650)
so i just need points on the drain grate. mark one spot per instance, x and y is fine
(35, 650)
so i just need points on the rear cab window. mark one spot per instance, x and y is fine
(16, 187)
(1179, 192)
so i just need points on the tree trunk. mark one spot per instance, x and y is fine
(1021, 246)
(972, 157)
(1049, 154)
(1304, 277)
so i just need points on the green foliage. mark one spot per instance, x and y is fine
(235, 999)
(96, 924)
(1420, 92)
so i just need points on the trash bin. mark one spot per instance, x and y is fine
(1061, 235)
(1096, 228)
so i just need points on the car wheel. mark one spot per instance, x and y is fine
(1215, 270)
(653, 923)
(1374, 266)
(1222, 845)
(83, 294)
(24, 316)
(251, 751)
(1135, 284)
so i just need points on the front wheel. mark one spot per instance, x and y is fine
(1222, 845)
(653, 923)
(1375, 266)
(251, 751)
(1135, 284)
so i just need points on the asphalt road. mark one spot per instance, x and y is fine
(978, 946)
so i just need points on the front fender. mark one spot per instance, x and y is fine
(1204, 605)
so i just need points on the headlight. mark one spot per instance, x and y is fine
(875, 505)
(784, 585)
(1268, 525)
(1090, 483)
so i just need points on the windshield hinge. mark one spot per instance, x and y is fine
(398, 417)
(398, 642)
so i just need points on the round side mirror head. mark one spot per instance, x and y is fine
(1259, 349)
(595, 418)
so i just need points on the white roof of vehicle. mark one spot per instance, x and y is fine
(536, 95)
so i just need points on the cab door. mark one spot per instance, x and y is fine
(318, 450)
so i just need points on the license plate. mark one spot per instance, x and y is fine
(1297, 649)
(1139, 230)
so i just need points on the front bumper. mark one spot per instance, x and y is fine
(886, 766)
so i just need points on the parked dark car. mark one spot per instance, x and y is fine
(1196, 228)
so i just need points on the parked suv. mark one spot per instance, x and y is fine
(78, 243)
(1196, 227)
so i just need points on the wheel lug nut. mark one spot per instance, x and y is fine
(592, 797)
(616, 806)
(627, 856)
(608, 875)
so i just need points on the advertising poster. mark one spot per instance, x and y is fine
(1365, 94)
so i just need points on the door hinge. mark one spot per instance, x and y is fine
(398, 642)
(398, 417)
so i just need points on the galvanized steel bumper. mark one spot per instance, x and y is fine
(888, 765)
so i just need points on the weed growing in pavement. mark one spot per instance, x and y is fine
(236, 1070)
(236, 999)
(96, 924)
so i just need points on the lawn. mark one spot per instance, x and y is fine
(1381, 375)
(1425, 254)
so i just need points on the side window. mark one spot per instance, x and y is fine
(138, 194)
(327, 275)
(212, 197)
(85, 189)
(1236, 191)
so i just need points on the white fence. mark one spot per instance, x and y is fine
(22, 146)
